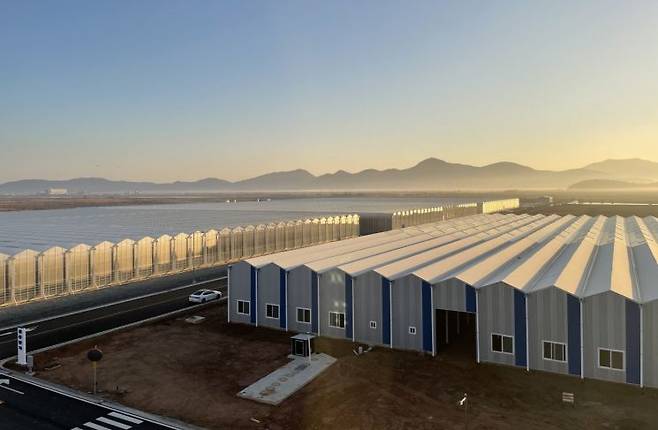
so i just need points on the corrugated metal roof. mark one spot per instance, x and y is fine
(645, 257)
(498, 265)
(325, 264)
(332, 262)
(405, 266)
(452, 265)
(356, 268)
(582, 256)
(529, 274)
(327, 247)
(297, 257)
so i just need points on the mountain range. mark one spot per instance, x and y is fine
(429, 174)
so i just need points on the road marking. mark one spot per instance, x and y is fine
(96, 426)
(4, 382)
(125, 418)
(12, 390)
(113, 423)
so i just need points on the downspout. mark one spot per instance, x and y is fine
(256, 297)
(477, 326)
(390, 313)
(353, 316)
(527, 337)
(433, 321)
(582, 343)
(228, 292)
(288, 313)
(318, 309)
(641, 347)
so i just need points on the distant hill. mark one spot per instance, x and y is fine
(631, 169)
(106, 186)
(610, 184)
(429, 174)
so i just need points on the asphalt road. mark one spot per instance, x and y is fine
(30, 407)
(39, 408)
(38, 309)
(82, 323)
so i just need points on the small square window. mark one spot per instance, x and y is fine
(272, 311)
(243, 307)
(502, 343)
(604, 358)
(373, 324)
(336, 319)
(555, 351)
(547, 351)
(412, 330)
(303, 315)
(611, 359)
(617, 360)
(559, 352)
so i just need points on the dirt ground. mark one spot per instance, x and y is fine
(193, 372)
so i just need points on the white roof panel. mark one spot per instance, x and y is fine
(404, 267)
(494, 268)
(442, 270)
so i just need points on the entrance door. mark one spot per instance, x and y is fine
(300, 348)
(455, 333)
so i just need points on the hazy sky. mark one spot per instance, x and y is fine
(163, 90)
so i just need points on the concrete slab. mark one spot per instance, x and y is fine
(286, 380)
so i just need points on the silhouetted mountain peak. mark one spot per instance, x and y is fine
(429, 174)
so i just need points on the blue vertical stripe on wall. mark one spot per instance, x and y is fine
(470, 299)
(520, 347)
(252, 310)
(386, 311)
(573, 334)
(632, 342)
(283, 306)
(348, 307)
(315, 313)
(426, 295)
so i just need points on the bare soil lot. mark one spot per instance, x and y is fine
(193, 372)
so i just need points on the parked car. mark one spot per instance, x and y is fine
(203, 296)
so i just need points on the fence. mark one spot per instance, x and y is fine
(30, 275)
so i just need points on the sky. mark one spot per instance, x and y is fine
(182, 90)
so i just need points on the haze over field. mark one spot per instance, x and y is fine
(177, 90)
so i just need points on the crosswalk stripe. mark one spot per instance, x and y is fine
(125, 418)
(96, 426)
(113, 423)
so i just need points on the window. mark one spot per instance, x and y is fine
(501, 343)
(555, 351)
(303, 315)
(373, 324)
(412, 330)
(611, 359)
(243, 307)
(336, 319)
(272, 311)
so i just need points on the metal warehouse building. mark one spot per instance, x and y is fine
(571, 295)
